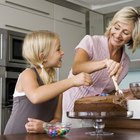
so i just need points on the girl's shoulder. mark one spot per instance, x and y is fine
(28, 72)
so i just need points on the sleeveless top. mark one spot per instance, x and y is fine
(24, 109)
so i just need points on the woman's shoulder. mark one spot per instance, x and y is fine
(95, 37)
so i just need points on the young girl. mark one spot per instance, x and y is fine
(36, 94)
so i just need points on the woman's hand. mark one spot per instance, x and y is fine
(34, 126)
(113, 67)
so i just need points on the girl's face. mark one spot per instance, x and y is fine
(54, 58)
(121, 33)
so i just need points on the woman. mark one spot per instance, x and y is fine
(103, 57)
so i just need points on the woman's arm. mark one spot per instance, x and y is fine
(82, 63)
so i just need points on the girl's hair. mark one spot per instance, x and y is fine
(128, 14)
(38, 42)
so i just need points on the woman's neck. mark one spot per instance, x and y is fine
(115, 53)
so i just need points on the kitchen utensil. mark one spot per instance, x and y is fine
(119, 92)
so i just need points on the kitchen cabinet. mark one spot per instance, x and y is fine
(40, 7)
(70, 26)
(96, 23)
(25, 16)
(21, 20)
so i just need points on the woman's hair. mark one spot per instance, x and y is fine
(128, 14)
(38, 42)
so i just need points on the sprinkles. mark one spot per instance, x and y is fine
(57, 129)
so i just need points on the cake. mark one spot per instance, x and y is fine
(98, 104)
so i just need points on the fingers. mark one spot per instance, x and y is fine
(113, 68)
(30, 129)
(34, 126)
(87, 80)
(118, 72)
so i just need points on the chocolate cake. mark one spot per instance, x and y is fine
(98, 104)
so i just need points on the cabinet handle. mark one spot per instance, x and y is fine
(74, 21)
(29, 8)
(1, 36)
(19, 28)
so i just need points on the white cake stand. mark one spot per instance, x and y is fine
(98, 117)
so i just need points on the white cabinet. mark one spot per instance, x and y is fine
(69, 16)
(71, 31)
(27, 15)
(40, 7)
(18, 20)
(96, 23)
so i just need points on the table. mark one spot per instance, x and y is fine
(79, 134)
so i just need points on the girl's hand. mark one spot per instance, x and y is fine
(82, 79)
(34, 126)
(113, 67)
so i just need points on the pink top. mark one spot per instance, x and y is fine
(97, 49)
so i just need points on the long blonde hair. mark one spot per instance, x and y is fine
(38, 42)
(128, 14)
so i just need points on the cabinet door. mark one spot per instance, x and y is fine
(70, 26)
(96, 23)
(69, 16)
(18, 20)
(70, 36)
(41, 7)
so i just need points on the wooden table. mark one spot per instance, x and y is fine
(79, 134)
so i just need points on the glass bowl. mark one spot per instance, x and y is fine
(135, 89)
(57, 129)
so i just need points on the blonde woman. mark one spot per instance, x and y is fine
(36, 94)
(104, 56)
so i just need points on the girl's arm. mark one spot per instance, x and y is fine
(58, 112)
(36, 126)
(38, 94)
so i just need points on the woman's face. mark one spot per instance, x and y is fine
(54, 58)
(121, 33)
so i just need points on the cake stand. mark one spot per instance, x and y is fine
(98, 117)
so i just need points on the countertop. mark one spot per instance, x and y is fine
(79, 134)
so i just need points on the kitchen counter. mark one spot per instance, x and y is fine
(79, 134)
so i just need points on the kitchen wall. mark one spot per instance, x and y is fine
(133, 76)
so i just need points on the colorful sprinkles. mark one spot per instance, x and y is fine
(57, 130)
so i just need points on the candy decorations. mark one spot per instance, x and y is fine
(57, 129)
